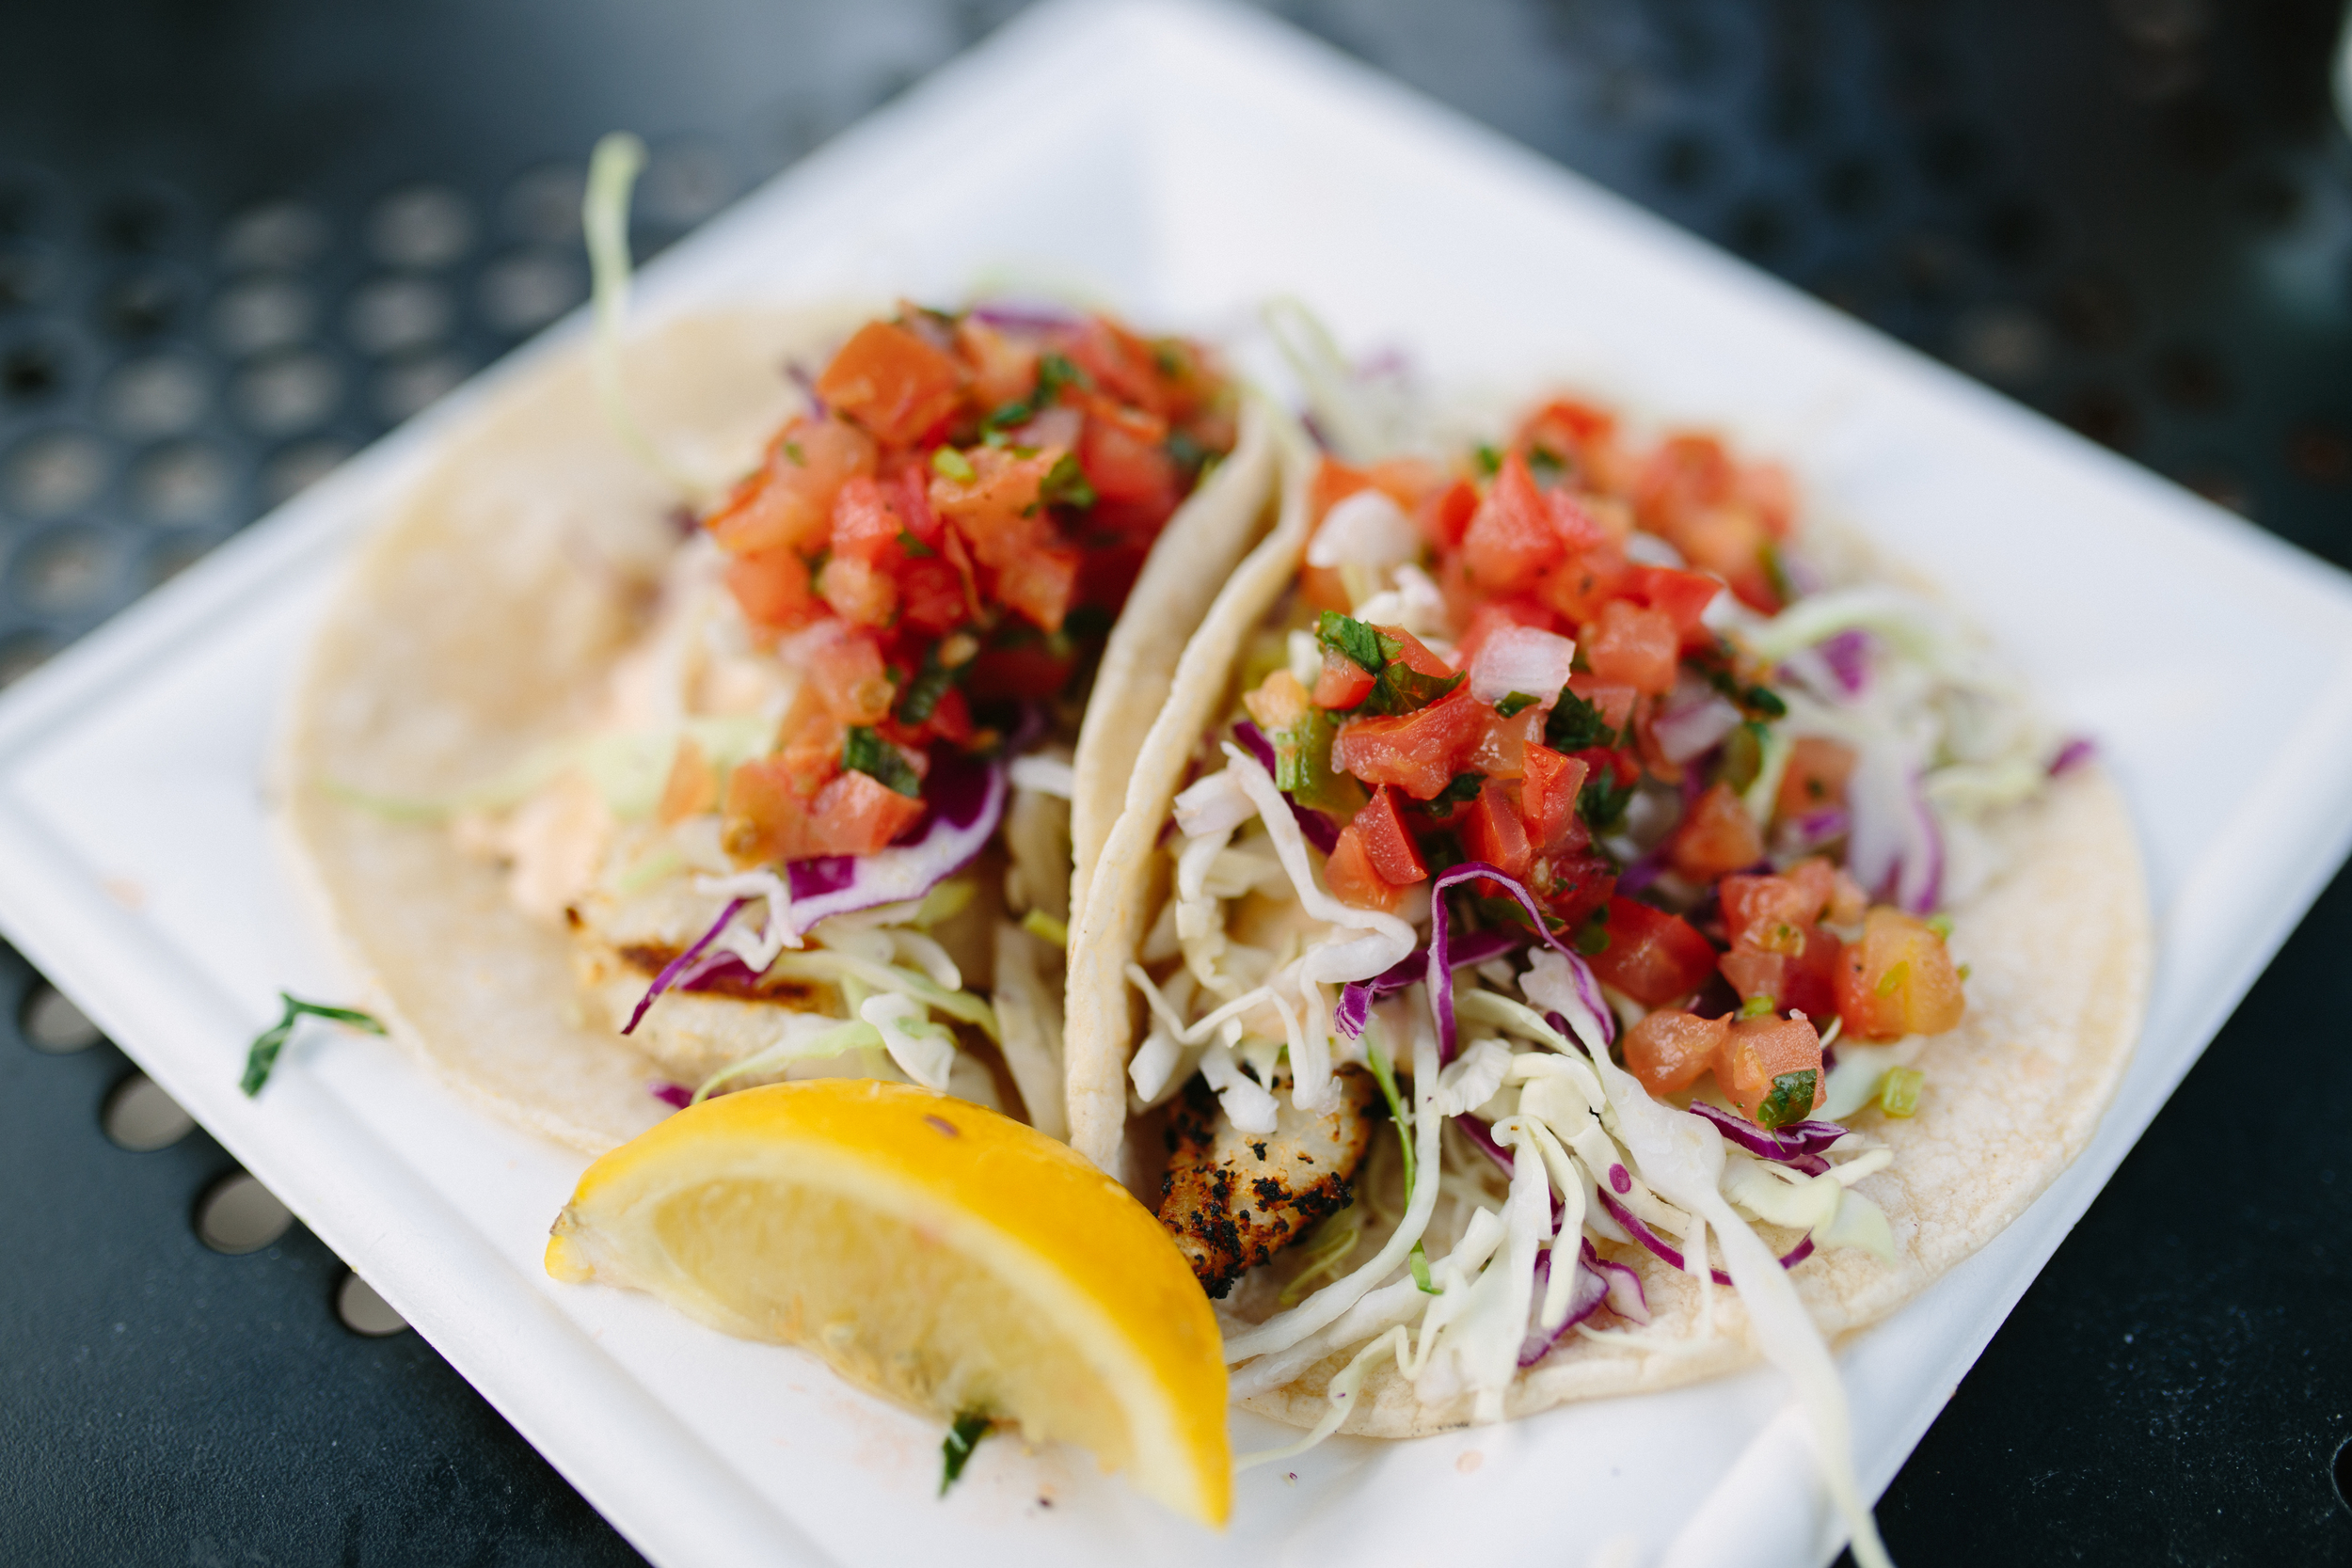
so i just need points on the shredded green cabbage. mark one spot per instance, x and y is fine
(612, 170)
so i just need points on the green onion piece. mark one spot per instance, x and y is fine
(1890, 982)
(1759, 1006)
(612, 170)
(1045, 928)
(1382, 1076)
(956, 1451)
(1898, 1091)
(1942, 926)
(1965, 970)
(947, 463)
(1419, 1260)
(262, 1055)
(1065, 484)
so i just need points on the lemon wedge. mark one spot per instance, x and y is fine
(944, 1256)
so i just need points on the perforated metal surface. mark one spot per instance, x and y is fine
(239, 241)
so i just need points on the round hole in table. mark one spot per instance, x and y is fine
(363, 1311)
(54, 1024)
(141, 1117)
(237, 1214)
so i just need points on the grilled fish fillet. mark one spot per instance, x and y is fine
(1232, 1199)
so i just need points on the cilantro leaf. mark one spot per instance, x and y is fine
(1346, 635)
(863, 751)
(1576, 725)
(1515, 702)
(1603, 800)
(1460, 791)
(916, 549)
(956, 1452)
(1490, 461)
(931, 682)
(261, 1057)
(1065, 484)
(1792, 1099)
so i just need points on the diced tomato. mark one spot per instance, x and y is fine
(1576, 526)
(930, 596)
(845, 671)
(1637, 647)
(1500, 750)
(1771, 912)
(1491, 616)
(996, 510)
(765, 817)
(860, 593)
(951, 718)
(1619, 766)
(773, 590)
(892, 382)
(691, 787)
(911, 498)
(1688, 475)
(1512, 538)
(864, 523)
(1003, 371)
(1898, 979)
(1323, 588)
(1120, 363)
(1334, 482)
(1682, 595)
(1493, 831)
(1414, 653)
(788, 502)
(1353, 879)
(1566, 426)
(857, 813)
(1124, 457)
(1668, 1051)
(1799, 977)
(1570, 883)
(1730, 541)
(1771, 495)
(1445, 517)
(1580, 584)
(1815, 780)
(1716, 836)
(1758, 1051)
(1419, 752)
(1040, 583)
(1613, 699)
(1025, 671)
(1548, 791)
(1652, 957)
(1380, 827)
(1344, 682)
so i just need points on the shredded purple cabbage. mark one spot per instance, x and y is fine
(1357, 996)
(676, 1096)
(1585, 1297)
(1798, 1145)
(1320, 829)
(1669, 1256)
(1644, 870)
(807, 383)
(1440, 971)
(1023, 315)
(1815, 828)
(670, 970)
(1848, 656)
(964, 800)
(2075, 753)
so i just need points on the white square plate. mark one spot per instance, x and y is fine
(1188, 161)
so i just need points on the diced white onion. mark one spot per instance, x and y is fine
(1689, 731)
(1365, 530)
(1524, 659)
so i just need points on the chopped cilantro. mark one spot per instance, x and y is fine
(262, 1056)
(916, 549)
(1419, 1262)
(1490, 461)
(1546, 464)
(1576, 725)
(1346, 635)
(1603, 800)
(1402, 688)
(1764, 700)
(792, 450)
(1515, 702)
(1792, 1099)
(956, 1451)
(1065, 484)
(947, 463)
(1188, 455)
(1593, 936)
(930, 683)
(863, 751)
(1775, 572)
(1743, 755)
(1462, 789)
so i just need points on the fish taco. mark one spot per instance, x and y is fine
(1578, 925)
(627, 780)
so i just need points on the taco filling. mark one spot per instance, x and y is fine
(824, 812)
(1560, 793)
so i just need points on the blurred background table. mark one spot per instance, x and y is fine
(239, 240)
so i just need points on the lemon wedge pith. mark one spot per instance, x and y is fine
(944, 1256)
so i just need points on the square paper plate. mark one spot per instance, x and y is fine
(1187, 163)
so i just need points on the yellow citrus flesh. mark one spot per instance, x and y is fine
(942, 1255)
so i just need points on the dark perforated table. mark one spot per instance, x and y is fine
(238, 241)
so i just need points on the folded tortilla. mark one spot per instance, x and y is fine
(479, 623)
(2059, 944)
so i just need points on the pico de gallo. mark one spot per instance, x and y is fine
(1564, 800)
(953, 528)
